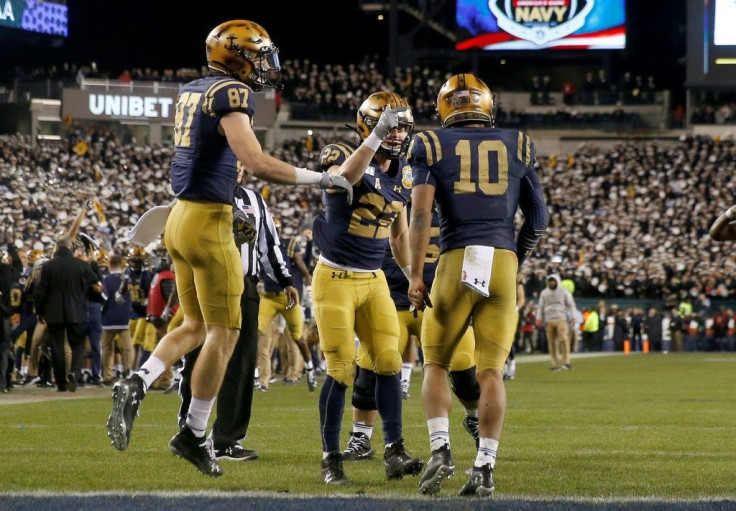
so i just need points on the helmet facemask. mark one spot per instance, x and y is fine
(265, 70)
(368, 116)
(244, 50)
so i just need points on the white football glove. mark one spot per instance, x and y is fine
(166, 315)
(331, 181)
(388, 121)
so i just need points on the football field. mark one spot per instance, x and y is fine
(616, 432)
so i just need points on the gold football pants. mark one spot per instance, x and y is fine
(275, 303)
(464, 357)
(455, 304)
(347, 304)
(209, 273)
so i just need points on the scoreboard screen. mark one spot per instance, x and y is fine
(711, 43)
(36, 16)
(503, 25)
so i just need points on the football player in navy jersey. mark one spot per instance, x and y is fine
(349, 290)
(212, 134)
(479, 176)
(462, 368)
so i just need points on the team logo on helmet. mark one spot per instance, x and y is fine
(407, 178)
(540, 21)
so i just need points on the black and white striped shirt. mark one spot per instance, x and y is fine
(263, 253)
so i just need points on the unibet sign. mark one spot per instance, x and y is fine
(129, 106)
(82, 104)
(146, 107)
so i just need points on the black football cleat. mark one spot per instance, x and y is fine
(359, 448)
(332, 472)
(399, 463)
(311, 380)
(439, 467)
(480, 483)
(236, 452)
(197, 451)
(471, 426)
(127, 395)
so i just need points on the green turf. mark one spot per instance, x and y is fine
(661, 426)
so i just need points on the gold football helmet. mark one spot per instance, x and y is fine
(103, 258)
(244, 50)
(34, 255)
(369, 113)
(465, 98)
(136, 256)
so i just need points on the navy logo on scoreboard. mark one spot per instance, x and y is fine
(540, 21)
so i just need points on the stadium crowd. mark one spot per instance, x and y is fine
(334, 91)
(626, 223)
(631, 222)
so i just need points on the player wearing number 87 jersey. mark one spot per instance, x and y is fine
(479, 176)
(213, 136)
(349, 290)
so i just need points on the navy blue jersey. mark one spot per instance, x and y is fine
(397, 282)
(481, 176)
(356, 235)
(204, 167)
(290, 248)
(139, 283)
(21, 301)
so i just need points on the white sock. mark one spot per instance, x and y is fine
(255, 375)
(486, 452)
(439, 432)
(199, 415)
(308, 365)
(362, 427)
(151, 370)
(406, 371)
(471, 412)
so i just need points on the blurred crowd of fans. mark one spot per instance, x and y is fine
(628, 222)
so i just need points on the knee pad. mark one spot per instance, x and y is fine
(388, 362)
(465, 384)
(364, 390)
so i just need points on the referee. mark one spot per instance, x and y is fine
(254, 228)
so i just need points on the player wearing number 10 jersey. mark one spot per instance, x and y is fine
(349, 289)
(479, 176)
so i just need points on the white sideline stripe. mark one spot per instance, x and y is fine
(544, 357)
(46, 397)
(219, 494)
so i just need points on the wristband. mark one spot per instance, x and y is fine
(306, 177)
(372, 142)
(407, 272)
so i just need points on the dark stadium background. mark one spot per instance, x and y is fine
(166, 34)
